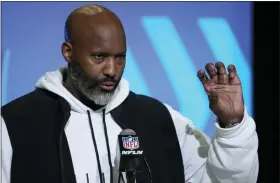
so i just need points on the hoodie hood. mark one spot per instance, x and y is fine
(52, 81)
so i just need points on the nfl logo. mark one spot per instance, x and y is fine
(130, 142)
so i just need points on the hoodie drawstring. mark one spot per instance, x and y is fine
(95, 147)
(108, 147)
(101, 175)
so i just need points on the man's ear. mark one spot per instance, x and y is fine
(66, 49)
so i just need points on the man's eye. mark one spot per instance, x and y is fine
(99, 57)
(122, 57)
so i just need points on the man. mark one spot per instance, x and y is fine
(66, 130)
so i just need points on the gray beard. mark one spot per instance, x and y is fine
(88, 86)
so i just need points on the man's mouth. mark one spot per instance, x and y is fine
(108, 86)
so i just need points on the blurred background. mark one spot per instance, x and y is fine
(168, 42)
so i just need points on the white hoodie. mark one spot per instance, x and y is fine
(231, 156)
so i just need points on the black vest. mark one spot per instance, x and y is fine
(41, 154)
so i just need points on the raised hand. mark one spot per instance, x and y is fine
(224, 91)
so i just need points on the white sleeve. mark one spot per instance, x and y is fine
(231, 156)
(6, 153)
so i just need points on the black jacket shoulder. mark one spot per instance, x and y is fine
(31, 100)
(143, 101)
(36, 110)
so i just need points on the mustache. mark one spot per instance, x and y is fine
(93, 82)
(106, 79)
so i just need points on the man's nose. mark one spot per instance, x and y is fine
(110, 67)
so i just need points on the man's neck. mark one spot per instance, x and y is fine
(78, 95)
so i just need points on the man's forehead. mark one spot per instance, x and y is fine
(107, 44)
(104, 39)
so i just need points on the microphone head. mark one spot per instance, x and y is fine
(127, 132)
(129, 154)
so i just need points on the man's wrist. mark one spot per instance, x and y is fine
(230, 125)
(226, 123)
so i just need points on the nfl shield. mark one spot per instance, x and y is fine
(130, 142)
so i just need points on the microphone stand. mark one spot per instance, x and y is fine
(131, 176)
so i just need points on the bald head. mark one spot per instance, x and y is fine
(95, 49)
(90, 17)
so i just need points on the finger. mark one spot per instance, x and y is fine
(222, 73)
(231, 69)
(233, 77)
(202, 76)
(211, 70)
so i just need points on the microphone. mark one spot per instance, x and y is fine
(130, 155)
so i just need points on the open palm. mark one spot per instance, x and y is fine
(224, 91)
